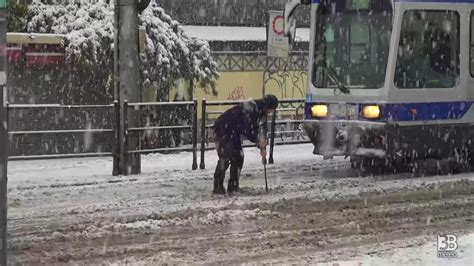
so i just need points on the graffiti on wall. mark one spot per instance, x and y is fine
(288, 84)
(236, 94)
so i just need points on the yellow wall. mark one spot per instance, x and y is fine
(246, 85)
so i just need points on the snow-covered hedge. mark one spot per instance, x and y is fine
(89, 26)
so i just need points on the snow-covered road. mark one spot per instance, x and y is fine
(73, 211)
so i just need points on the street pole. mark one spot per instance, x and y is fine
(118, 146)
(126, 74)
(3, 134)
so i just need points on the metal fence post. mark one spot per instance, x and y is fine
(116, 148)
(203, 134)
(272, 137)
(195, 128)
(124, 162)
(7, 109)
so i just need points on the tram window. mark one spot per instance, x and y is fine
(352, 42)
(360, 39)
(428, 52)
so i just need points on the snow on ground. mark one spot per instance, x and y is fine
(316, 212)
(420, 252)
(47, 172)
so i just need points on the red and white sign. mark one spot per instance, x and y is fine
(277, 25)
(44, 58)
(277, 43)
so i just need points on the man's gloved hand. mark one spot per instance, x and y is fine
(263, 153)
(262, 144)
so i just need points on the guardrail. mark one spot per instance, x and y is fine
(192, 127)
(238, 61)
(11, 134)
(287, 105)
(114, 130)
(299, 106)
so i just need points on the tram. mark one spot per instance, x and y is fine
(390, 80)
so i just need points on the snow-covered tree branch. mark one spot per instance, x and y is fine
(89, 26)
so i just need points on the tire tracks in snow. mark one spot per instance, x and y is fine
(313, 207)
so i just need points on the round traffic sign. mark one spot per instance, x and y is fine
(277, 25)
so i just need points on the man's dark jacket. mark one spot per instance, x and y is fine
(247, 119)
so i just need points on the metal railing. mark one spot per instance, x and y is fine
(286, 105)
(192, 127)
(23, 107)
(238, 61)
(115, 108)
(299, 106)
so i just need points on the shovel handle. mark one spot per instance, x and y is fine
(266, 182)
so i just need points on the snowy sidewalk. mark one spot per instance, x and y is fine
(46, 172)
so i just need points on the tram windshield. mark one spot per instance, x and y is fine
(352, 44)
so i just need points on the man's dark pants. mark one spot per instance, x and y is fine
(230, 153)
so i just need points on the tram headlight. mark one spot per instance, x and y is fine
(319, 110)
(371, 111)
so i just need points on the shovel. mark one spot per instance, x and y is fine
(264, 161)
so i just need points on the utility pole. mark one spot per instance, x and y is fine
(3, 133)
(126, 85)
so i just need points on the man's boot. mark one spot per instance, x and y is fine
(235, 169)
(219, 175)
(218, 186)
(233, 185)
